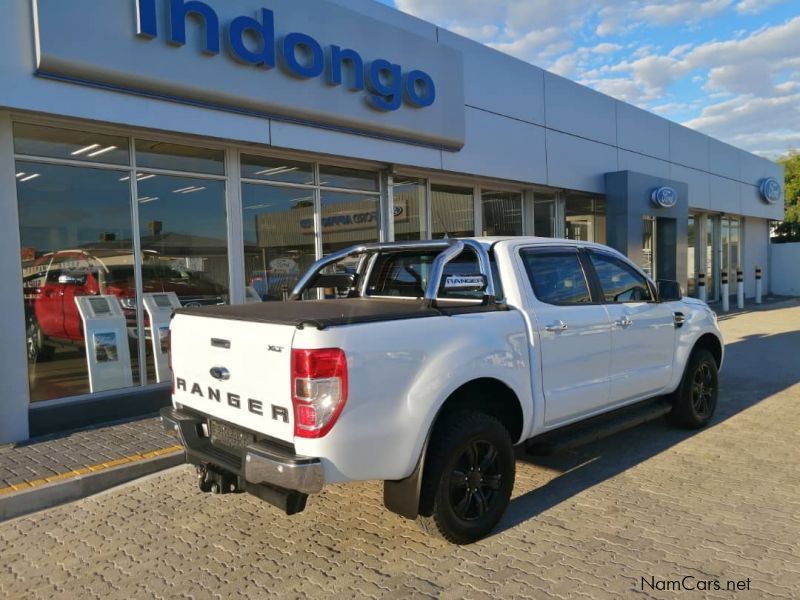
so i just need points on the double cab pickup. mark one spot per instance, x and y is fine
(431, 362)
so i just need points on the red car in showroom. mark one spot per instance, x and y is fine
(56, 279)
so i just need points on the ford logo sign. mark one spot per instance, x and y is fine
(220, 373)
(398, 210)
(665, 197)
(770, 190)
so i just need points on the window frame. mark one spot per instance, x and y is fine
(565, 249)
(595, 278)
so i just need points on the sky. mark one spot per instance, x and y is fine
(728, 68)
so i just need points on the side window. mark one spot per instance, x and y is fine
(465, 263)
(557, 276)
(620, 282)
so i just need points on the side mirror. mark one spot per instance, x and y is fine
(465, 283)
(669, 291)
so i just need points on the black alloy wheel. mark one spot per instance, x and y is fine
(476, 481)
(468, 477)
(695, 400)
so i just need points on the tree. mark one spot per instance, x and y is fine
(789, 229)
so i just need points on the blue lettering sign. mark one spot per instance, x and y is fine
(298, 54)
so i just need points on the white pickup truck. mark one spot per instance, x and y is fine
(434, 360)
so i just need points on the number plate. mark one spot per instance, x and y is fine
(226, 435)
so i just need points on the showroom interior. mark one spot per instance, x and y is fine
(123, 178)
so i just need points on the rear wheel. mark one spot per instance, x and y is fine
(695, 400)
(38, 351)
(468, 478)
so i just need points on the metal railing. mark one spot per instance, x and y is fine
(450, 249)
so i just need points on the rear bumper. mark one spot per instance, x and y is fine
(259, 463)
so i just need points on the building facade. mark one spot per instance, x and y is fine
(215, 149)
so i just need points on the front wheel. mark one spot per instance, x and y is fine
(468, 478)
(695, 400)
(38, 351)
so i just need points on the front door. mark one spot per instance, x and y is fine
(574, 334)
(643, 330)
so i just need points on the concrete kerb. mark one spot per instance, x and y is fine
(59, 492)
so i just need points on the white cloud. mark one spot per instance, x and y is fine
(606, 48)
(686, 11)
(752, 7)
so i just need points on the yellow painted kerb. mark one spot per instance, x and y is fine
(25, 485)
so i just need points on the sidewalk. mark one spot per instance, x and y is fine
(59, 468)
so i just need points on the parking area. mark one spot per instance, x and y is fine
(645, 512)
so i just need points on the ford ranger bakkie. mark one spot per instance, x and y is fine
(430, 363)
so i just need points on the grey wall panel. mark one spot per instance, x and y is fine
(755, 252)
(578, 164)
(688, 147)
(576, 109)
(784, 269)
(387, 14)
(754, 168)
(500, 147)
(698, 182)
(498, 82)
(21, 90)
(724, 195)
(642, 132)
(14, 382)
(314, 139)
(633, 161)
(724, 159)
(754, 205)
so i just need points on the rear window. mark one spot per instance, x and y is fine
(406, 274)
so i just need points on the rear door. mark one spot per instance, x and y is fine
(235, 371)
(574, 334)
(643, 330)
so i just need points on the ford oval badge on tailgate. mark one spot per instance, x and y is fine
(220, 373)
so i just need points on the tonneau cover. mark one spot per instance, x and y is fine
(328, 313)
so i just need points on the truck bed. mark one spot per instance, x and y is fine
(331, 313)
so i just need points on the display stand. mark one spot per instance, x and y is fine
(159, 307)
(106, 335)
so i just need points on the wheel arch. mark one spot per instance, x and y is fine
(710, 342)
(484, 394)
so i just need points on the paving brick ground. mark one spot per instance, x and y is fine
(654, 502)
(37, 460)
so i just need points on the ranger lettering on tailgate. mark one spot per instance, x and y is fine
(279, 413)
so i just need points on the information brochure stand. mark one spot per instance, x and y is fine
(159, 309)
(251, 295)
(107, 352)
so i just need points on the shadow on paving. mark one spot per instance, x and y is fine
(755, 368)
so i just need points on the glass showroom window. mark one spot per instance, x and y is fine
(452, 211)
(502, 213)
(352, 216)
(410, 215)
(585, 217)
(544, 215)
(182, 227)
(279, 242)
(76, 233)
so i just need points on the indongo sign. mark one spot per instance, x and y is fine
(298, 62)
(299, 54)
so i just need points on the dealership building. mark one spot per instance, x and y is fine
(215, 149)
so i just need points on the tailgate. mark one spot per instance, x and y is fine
(235, 371)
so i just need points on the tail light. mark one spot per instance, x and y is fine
(319, 390)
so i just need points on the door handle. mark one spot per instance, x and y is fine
(557, 326)
(624, 322)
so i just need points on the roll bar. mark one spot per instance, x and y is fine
(450, 249)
